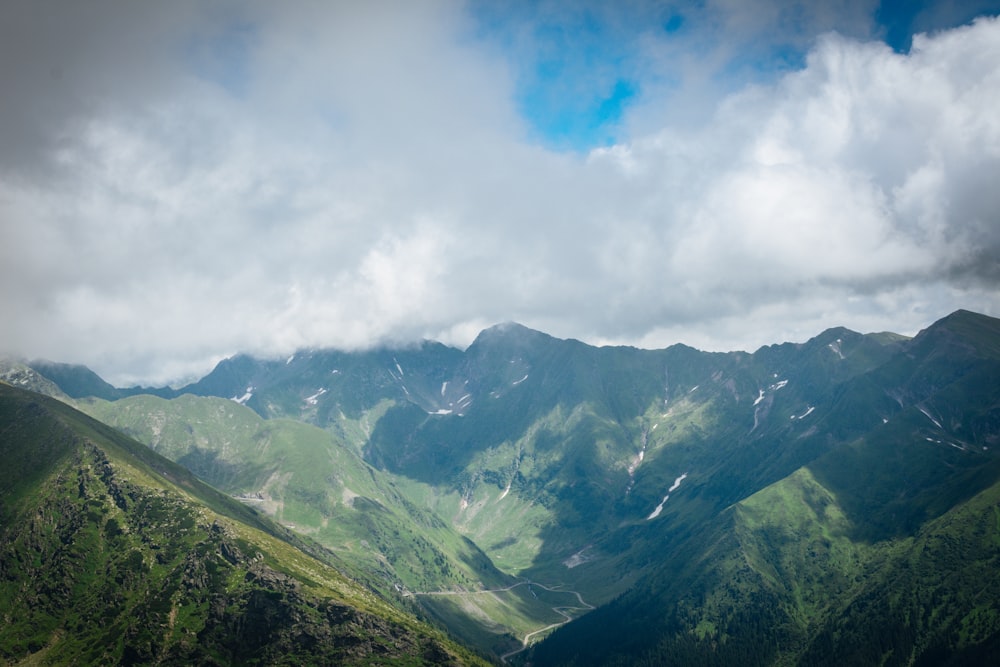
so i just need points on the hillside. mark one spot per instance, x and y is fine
(885, 549)
(110, 553)
(310, 480)
(733, 503)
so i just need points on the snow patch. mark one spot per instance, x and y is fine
(636, 461)
(659, 508)
(579, 558)
(760, 395)
(242, 400)
(442, 411)
(517, 382)
(804, 414)
(694, 387)
(928, 415)
(398, 367)
(312, 400)
(289, 359)
(444, 386)
(677, 483)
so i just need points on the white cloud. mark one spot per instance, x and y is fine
(367, 178)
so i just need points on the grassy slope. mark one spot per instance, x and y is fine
(306, 478)
(932, 599)
(538, 470)
(112, 554)
(780, 579)
(546, 484)
(883, 550)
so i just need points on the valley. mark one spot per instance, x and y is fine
(537, 496)
(112, 554)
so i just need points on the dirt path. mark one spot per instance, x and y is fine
(562, 611)
(526, 642)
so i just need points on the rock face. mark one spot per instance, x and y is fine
(105, 561)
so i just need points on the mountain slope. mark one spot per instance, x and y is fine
(306, 477)
(779, 580)
(883, 549)
(551, 455)
(619, 475)
(110, 553)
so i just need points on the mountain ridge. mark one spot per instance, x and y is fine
(578, 467)
(110, 553)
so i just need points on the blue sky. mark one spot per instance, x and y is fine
(579, 65)
(184, 181)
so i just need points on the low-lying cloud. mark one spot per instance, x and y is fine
(325, 182)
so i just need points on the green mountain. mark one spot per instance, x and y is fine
(112, 554)
(884, 549)
(760, 507)
(310, 480)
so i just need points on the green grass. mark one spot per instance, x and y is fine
(107, 560)
(797, 537)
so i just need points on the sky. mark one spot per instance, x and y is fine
(182, 181)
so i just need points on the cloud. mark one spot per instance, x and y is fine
(575, 62)
(864, 173)
(244, 177)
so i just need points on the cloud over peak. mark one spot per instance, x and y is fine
(259, 179)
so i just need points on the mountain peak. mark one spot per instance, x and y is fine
(973, 330)
(510, 333)
(967, 319)
(76, 380)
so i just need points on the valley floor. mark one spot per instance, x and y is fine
(566, 612)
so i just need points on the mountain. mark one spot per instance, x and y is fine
(884, 549)
(307, 478)
(78, 381)
(110, 553)
(752, 507)
(20, 374)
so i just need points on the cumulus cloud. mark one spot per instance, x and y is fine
(217, 178)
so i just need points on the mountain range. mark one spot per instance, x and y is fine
(831, 501)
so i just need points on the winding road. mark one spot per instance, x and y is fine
(526, 642)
